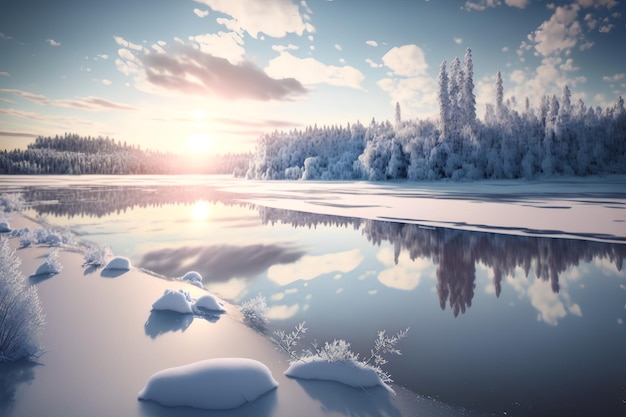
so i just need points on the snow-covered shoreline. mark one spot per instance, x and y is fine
(104, 343)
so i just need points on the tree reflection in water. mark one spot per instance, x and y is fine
(455, 252)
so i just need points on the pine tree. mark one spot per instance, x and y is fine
(398, 116)
(469, 99)
(499, 94)
(444, 101)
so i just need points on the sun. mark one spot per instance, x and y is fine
(201, 210)
(200, 143)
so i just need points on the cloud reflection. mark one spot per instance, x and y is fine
(309, 267)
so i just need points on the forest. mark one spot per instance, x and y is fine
(559, 137)
(76, 155)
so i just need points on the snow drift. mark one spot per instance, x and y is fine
(222, 383)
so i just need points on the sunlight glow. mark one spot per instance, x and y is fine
(199, 143)
(201, 210)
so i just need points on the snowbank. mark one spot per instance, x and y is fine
(194, 278)
(222, 383)
(177, 301)
(119, 263)
(5, 227)
(348, 372)
(209, 302)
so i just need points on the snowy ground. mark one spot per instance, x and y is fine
(103, 342)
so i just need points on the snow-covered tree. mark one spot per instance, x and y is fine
(444, 101)
(469, 99)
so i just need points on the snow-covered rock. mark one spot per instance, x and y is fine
(194, 278)
(348, 372)
(209, 302)
(177, 301)
(222, 383)
(47, 269)
(119, 263)
(5, 227)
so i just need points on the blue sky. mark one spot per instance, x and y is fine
(213, 75)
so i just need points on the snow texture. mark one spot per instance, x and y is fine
(348, 372)
(118, 263)
(209, 302)
(222, 383)
(177, 301)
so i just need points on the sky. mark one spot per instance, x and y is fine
(211, 76)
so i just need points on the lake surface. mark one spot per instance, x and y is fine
(523, 324)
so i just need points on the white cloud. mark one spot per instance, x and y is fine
(558, 34)
(107, 82)
(127, 44)
(606, 28)
(275, 18)
(311, 71)
(85, 103)
(188, 70)
(309, 267)
(404, 275)
(281, 48)
(4, 74)
(407, 60)
(201, 13)
(609, 4)
(101, 56)
(338, 47)
(372, 43)
(226, 45)
(417, 95)
(372, 63)
(52, 42)
(520, 4)
(614, 78)
(480, 5)
(458, 41)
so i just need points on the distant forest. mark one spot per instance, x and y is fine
(76, 155)
(557, 138)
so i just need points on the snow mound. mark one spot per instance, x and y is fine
(209, 302)
(118, 263)
(347, 372)
(177, 301)
(47, 269)
(222, 383)
(194, 278)
(5, 227)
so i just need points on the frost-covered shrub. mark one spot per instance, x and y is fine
(254, 311)
(42, 236)
(52, 265)
(340, 351)
(96, 255)
(21, 316)
(11, 202)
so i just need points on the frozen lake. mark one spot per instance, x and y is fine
(514, 291)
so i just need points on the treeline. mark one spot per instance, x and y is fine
(76, 155)
(559, 137)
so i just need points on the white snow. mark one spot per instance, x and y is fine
(209, 302)
(5, 227)
(194, 278)
(46, 269)
(222, 383)
(118, 263)
(177, 301)
(347, 372)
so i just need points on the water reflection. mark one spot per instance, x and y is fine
(11, 376)
(220, 262)
(455, 253)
